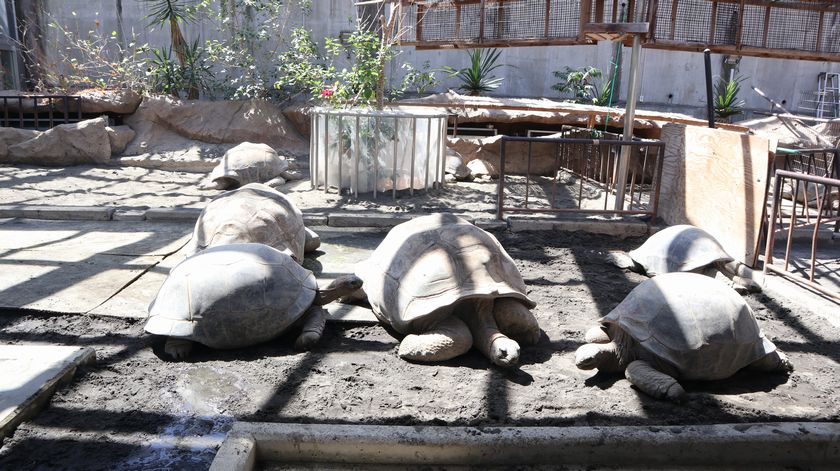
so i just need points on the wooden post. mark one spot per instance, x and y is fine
(673, 19)
(740, 30)
(585, 17)
(629, 116)
(767, 10)
(713, 25)
(481, 22)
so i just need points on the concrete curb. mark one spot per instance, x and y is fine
(80, 213)
(613, 228)
(29, 406)
(776, 445)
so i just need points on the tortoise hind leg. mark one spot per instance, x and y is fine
(516, 321)
(448, 339)
(653, 382)
(178, 349)
(774, 361)
(313, 241)
(314, 320)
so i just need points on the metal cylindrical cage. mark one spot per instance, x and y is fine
(370, 151)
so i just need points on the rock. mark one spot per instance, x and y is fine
(119, 137)
(99, 101)
(481, 168)
(455, 165)
(164, 124)
(84, 142)
(12, 136)
(298, 113)
(449, 178)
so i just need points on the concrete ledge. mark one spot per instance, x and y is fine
(368, 220)
(173, 214)
(776, 445)
(315, 219)
(613, 228)
(80, 213)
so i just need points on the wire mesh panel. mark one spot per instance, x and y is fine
(799, 29)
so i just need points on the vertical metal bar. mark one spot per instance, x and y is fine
(629, 117)
(326, 152)
(556, 175)
(790, 226)
(710, 98)
(644, 173)
(501, 191)
(377, 132)
(657, 180)
(528, 175)
(20, 111)
(35, 121)
(816, 232)
(413, 151)
(394, 182)
(313, 138)
(442, 153)
(5, 111)
(50, 110)
(340, 152)
(66, 110)
(357, 153)
(428, 149)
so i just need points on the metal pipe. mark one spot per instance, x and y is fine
(394, 177)
(629, 117)
(710, 99)
(413, 151)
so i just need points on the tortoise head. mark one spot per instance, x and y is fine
(344, 285)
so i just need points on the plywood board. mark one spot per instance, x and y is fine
(715, 180)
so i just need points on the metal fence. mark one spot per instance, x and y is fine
(40, 111)
(577, 175)
(820, 273)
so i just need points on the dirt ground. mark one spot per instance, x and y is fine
(133, 409)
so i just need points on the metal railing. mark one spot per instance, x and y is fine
(827, 211)
(582, 178)
(40, 111)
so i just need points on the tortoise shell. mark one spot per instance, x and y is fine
(425, 266)
(248, 163)
(232, 296)
(695, 323)
(254, 213)
(679, 248)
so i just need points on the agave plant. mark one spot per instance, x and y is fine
(476, 78)
(584, 85)
(727, 103)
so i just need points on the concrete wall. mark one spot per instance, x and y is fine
(670, 79)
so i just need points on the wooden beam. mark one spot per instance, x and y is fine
(713, 23)
(674, 6)
(585, 16)
(740, 29)
(481, 22)
(548, 16)
(744, 51)
(767, 11)
(653, 7)
(818, 47)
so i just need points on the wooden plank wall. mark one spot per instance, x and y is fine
(716, 180)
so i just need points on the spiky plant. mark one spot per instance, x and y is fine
(727, 103)
(477, 79)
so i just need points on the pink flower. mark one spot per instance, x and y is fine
(327, 92)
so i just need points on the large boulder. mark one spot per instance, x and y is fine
(100, 101)
(12, 136)
(164, 124)
(85, 142)
(119, 136)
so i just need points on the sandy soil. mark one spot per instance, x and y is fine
(134, 410)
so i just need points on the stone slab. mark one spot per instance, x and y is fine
(79, 213)
(350, 314)
(76, 266)
(614, 228)
(341, 249)
(29, 375)
(173, 214)
(314, 219)
(759, 446)
(106, 237)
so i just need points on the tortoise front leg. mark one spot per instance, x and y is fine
(516, 321)
(178, 349)
(654, 382)
(314, 320)
(487, 338)
(775, 361)
(448, 339)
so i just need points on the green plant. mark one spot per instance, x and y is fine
(727, 103)
(477, 78)
(172, 13)
(170, 77)
(584, 85)
(416, 80)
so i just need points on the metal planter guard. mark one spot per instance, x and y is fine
(362, 151)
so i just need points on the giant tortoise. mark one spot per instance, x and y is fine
(448, 285)
(686, 248)
(679, 326)
(237, 295)
(254, 213)
(249, 162)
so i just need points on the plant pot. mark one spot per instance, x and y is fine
(370, 151)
